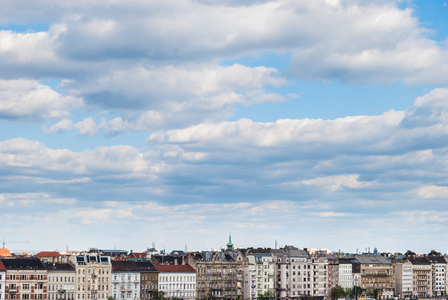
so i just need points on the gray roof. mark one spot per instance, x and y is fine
(372, 260)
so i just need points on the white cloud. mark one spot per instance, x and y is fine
(335, 182)
(28, 100)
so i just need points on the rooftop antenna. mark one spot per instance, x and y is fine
(276, 244)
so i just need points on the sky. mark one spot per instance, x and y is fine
(319, 124)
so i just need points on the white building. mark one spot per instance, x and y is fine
(125, 280)
(293, 273)
(345, 273)
(250, 278)
(2, 281)
(438, 275)
(403, 280)
(61, 281)
(177, 281)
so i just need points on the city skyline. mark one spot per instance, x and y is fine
(314, 123)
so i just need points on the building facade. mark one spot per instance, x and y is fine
(149, 279)
(403, 278)
(177, 281)
(26, 278)
(2, 280)
(377, 274)
(125, 280)
(92, 279)
(61, 281)
(345, 273)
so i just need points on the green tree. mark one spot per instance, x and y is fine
(357, 291)
(158, 295)
(337, 292)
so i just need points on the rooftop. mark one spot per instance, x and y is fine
(175, 268)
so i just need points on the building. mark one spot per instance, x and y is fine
(51, 257)
(438, 273)
(125, 282)
(421, 276)
(92, 279)
(320, 275)
(377, 276)
(2, 280)
(259, 273)
(333, 272)
(177, 281)
(293, 273)
(149, 279)
(26, 278)
(403, 278)
(61, 281)
(345, 273)
(220, 274)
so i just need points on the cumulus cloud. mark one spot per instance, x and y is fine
(28, 100)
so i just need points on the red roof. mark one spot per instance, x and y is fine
(2, 267)
(4, 252)
(175, 268)
(48, 254)
(139, 254)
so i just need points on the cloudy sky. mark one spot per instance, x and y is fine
(322, 124)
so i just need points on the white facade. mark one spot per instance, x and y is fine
(178, 284)
(250, 278)
(345, 275)
(438, 277)
(61, 284)
(403, 280)
(293, 273)
(92, 277)
(2, 284)
(126, 285)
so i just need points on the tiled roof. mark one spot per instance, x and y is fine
(48, 254)
(5, 252)
(2, 267)
(175, 268)
(124, 266)
(58, 267)
(146, 266)
(23, 264)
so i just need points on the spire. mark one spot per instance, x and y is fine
(230, 244)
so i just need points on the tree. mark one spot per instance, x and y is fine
(357, 291)
(337, 292)
(158, 295)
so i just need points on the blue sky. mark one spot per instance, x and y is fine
(321, 124)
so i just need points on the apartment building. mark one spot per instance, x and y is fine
(177, 281)
(377, 273)
(320, 275)
(438, 274)
(345, 273)
(61, 281)
(333, 272)
(26, 278)
(149, 279)
(403, 278)
(421, 276)
(92, 279)
(293, 273)
(125, 282)
(259, 273)
(220, 274)
(2, 280)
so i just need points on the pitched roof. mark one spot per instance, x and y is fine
(175, 268)
(372, 260)
(23, 264)
(146, 266)
(124, 266)
(5, 252)
(58, 267)
(2, 267)
(48, 254)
